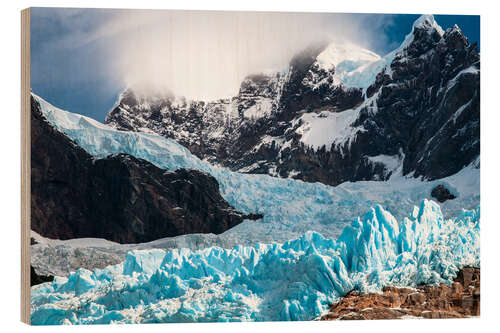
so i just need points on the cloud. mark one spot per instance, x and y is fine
(198, 54)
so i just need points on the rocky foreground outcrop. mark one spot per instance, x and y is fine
(442, 194)
(119, 198)
(458, 300)
(36, 278)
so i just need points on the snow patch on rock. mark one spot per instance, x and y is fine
(327, 128)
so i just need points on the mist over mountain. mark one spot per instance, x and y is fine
(99, 52)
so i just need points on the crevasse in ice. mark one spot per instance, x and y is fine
(295, 280)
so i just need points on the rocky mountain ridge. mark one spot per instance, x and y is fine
(414, 112)
(119, 198)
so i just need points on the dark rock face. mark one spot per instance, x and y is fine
(430, 107)
(39, 279)
(422, 111)
(310, 87)
(119, 198)
(442, 194)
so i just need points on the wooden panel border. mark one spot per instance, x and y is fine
(25, 166)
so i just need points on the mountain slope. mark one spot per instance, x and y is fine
(338, 113)
(120, 198)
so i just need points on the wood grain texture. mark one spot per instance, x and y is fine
(25, 166)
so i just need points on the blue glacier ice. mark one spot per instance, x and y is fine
(309, 249)
(290, 207)
(295, 280)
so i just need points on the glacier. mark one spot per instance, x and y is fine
(294, 280)
(309, 250)
(290, 207)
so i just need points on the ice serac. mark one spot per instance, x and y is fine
(335, 111)
(296, 280)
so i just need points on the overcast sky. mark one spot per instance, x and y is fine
(83, 58)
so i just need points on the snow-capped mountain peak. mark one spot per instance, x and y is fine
(427, 22)
(337, 63)
(347, 54)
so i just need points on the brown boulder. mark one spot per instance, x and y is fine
(458, 300)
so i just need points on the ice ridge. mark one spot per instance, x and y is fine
(295, 280)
